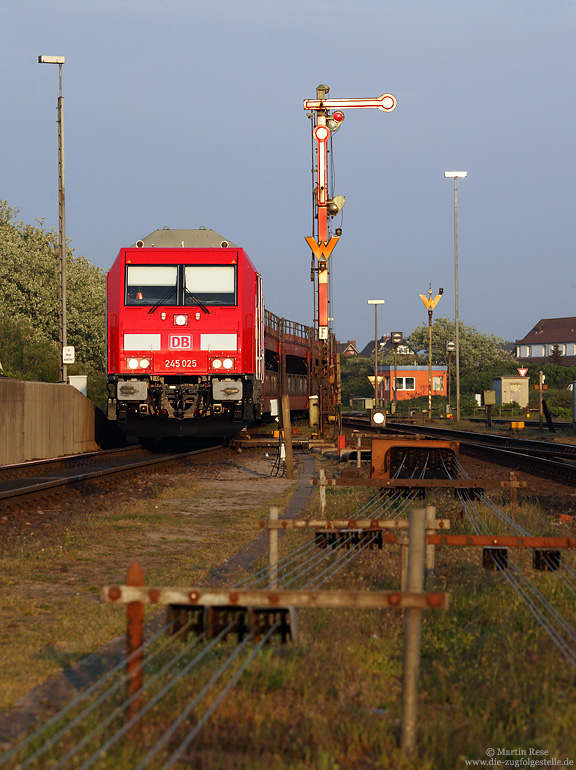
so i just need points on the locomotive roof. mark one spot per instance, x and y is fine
(192, 239)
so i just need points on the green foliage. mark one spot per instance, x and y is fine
(29, 302)
(354, 373)
(479, 352)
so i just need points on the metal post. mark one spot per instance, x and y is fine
(273, 550)
(449, 384)
(59, 60)
(376, 302)
(456, 306)
(430, 360)
(134, 642)
(412, 630)
(396, 379)
(376, 389)
(574, 405)
(430, 549)
(62, 229)
(287, 429)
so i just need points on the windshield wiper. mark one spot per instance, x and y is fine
(162, 300)
(196, 301)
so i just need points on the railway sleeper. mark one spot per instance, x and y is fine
(348, 538)
(241, 621)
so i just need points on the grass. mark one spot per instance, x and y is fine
(50, 605)
(490, 677)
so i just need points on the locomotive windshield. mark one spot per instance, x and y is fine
(149, 284)
(181, 285)
(210, 284)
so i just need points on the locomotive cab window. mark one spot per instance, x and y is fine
(181, 285)
(210, 284)
(148, 284)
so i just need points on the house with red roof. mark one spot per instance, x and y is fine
(549, 334)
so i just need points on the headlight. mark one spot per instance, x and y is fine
(138, 363)
(228, 363)
(181, 320)
(216, 363)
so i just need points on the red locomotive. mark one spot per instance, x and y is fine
(187, 354)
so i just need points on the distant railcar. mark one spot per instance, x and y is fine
(188, 351)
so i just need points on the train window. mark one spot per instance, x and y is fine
(149, 284)
(210, 284)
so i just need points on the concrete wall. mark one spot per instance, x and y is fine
(40, 420)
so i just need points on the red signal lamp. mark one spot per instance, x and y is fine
(334, 121)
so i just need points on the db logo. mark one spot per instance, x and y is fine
(180, 342)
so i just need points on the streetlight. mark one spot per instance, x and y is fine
(59, 60)
(450, 348)
(396, 338)
(376, 302)
(456, 175)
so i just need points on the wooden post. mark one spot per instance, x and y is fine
(413, 630)
(359, 452)
(403, 541)
(134, 641)
(322, 487)
(540, 398)
(287, 428)
(430, 549)
(514, 492)
(273, 550)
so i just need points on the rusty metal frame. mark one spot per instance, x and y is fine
(264, 598)
(477, 484)
(373, 524)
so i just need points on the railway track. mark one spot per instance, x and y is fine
(541, 458)
(38, 482)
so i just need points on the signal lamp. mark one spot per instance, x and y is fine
(335, 205)
(335, 120)
(378, 417)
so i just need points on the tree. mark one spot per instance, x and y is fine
(478, 351)
(354, 373)
(29, 303)
(556, 356)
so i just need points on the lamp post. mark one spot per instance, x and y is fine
(430, 304)
(396, 338)
(376, 302)
(450, 348)
(59, 60)
(456, 175)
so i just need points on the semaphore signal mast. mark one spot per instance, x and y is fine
(327, 117)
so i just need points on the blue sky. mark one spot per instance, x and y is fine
(190, 114)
